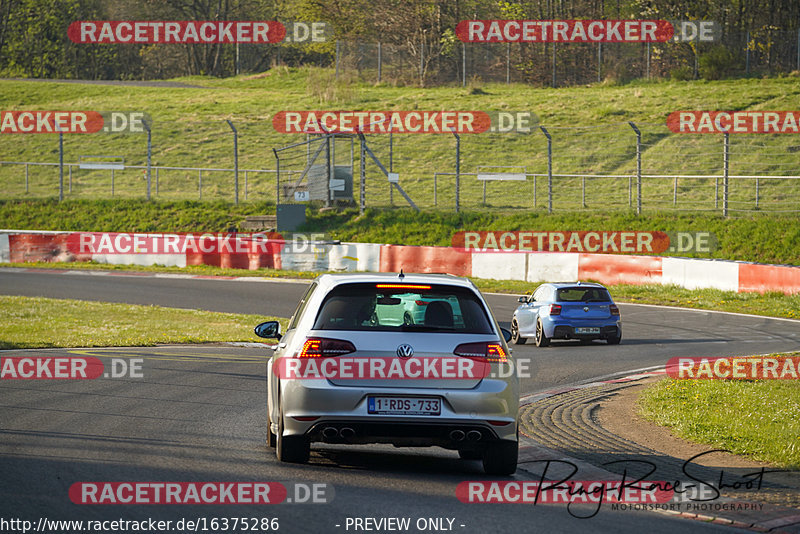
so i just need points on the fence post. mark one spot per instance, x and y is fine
(26, 178)
(337, 59)
(583, 191)
(747, 55)
(61, 165)
(757, 192)
(235, 163)
(277, 178)
(508, 63)
(434, 187)
(599, 61)
(726, 159)
(675, 192)
(391, 169)
(362, 186)
(328, 170)
(638, 168)
(380, 61)
(549, 169)
(422, 61)
(458, 167)
(149, 146)
(463, 64)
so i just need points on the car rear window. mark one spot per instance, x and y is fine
(403, 307)
(582, 294)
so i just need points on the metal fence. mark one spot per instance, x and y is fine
(755, 53)
(616, 166)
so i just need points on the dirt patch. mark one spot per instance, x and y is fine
(618, 415)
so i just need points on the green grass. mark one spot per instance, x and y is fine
(34, 322)
(773, 239)
(769, 304)
(189, 130)
(758, 419)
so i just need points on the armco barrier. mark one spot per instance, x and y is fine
(697, 274)
(425, 260)
(613, 269)
(761, 278)
(20, 246)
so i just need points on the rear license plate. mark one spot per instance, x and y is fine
(587, 330)
(403, 406)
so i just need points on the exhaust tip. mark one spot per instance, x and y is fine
(347, 432)
(474, 435)
(330, 432)
(457, 435)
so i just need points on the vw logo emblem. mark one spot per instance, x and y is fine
(586, 308)
(405, 351)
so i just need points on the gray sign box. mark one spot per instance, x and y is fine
(290, 217)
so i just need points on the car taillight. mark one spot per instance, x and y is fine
(320, 347)
(555, 309)
(614, 310)
(492, 352)
(421, 302)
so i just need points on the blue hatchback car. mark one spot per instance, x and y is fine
(575, 310)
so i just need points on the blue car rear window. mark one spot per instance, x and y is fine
(582, 294)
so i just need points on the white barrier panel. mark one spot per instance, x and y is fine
(700, 274)
(499, 266)
(169, 260)
(355, 257)
(552, 267)
(5, 250)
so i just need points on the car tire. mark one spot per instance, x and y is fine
(614, 340)
(541, 338)
(407, 320)
(500, 457)
(470, 454)
(291, 449)
(515, 337)
(272, 439)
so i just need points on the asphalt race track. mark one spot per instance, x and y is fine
(197, 414)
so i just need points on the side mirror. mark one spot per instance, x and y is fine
(506, 334)
(523, 299)
(268, 329)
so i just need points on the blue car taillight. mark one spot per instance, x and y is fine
(614, 310)
(555, 309)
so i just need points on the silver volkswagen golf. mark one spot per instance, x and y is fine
(411, 360)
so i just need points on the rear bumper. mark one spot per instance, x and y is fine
(566, 329)
(493, 399)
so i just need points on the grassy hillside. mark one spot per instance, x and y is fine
(588, 124)
(774, 239)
